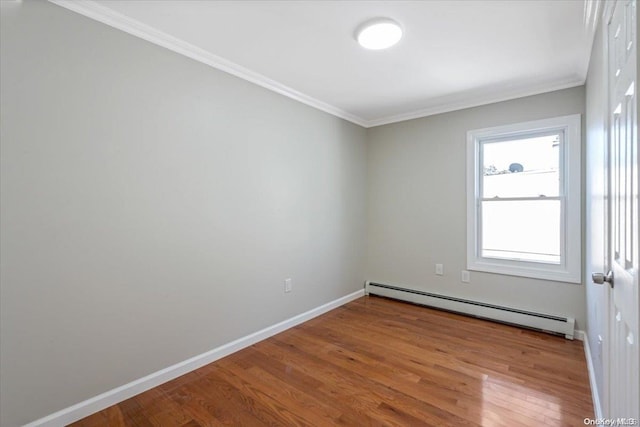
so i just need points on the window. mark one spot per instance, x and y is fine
(523, 199)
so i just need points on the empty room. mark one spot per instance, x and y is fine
(319, 213)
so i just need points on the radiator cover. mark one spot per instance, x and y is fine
(539, 321)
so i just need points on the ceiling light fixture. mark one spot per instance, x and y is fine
(379, 33)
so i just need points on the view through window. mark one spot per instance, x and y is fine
(523, 199)
(521, 190)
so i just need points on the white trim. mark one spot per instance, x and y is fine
(570, 268)
(595, 396)
(455, 105)
(591, 18)
(100, 13)
(96, 11)
(591, 15)
(112, 397)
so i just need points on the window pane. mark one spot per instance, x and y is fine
(521, 230)
(527, 167)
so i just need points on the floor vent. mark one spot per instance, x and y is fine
(539, 321)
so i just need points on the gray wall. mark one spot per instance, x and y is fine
(596, 255)
(152, 207)
(417, 206)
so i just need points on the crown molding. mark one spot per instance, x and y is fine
(96, 11)
(453, 105)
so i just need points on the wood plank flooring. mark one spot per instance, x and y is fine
(377, 362)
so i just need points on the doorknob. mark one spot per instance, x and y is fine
(600, 278)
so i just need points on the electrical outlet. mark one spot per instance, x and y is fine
(465, 277)
(287, 285)
(439, 269)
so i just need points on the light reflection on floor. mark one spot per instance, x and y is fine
(533, 406)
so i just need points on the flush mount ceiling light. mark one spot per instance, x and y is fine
(379, 33)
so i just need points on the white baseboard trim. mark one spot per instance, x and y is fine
(595, 396)
(112, 397)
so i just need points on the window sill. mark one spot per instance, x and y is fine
(529, 270)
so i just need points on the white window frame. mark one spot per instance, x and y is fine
(569, 269)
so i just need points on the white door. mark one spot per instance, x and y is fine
(623, 379)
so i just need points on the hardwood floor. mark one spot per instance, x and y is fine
(377, 362)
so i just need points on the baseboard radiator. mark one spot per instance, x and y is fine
(544, 322)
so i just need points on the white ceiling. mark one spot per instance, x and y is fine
(454, 54)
